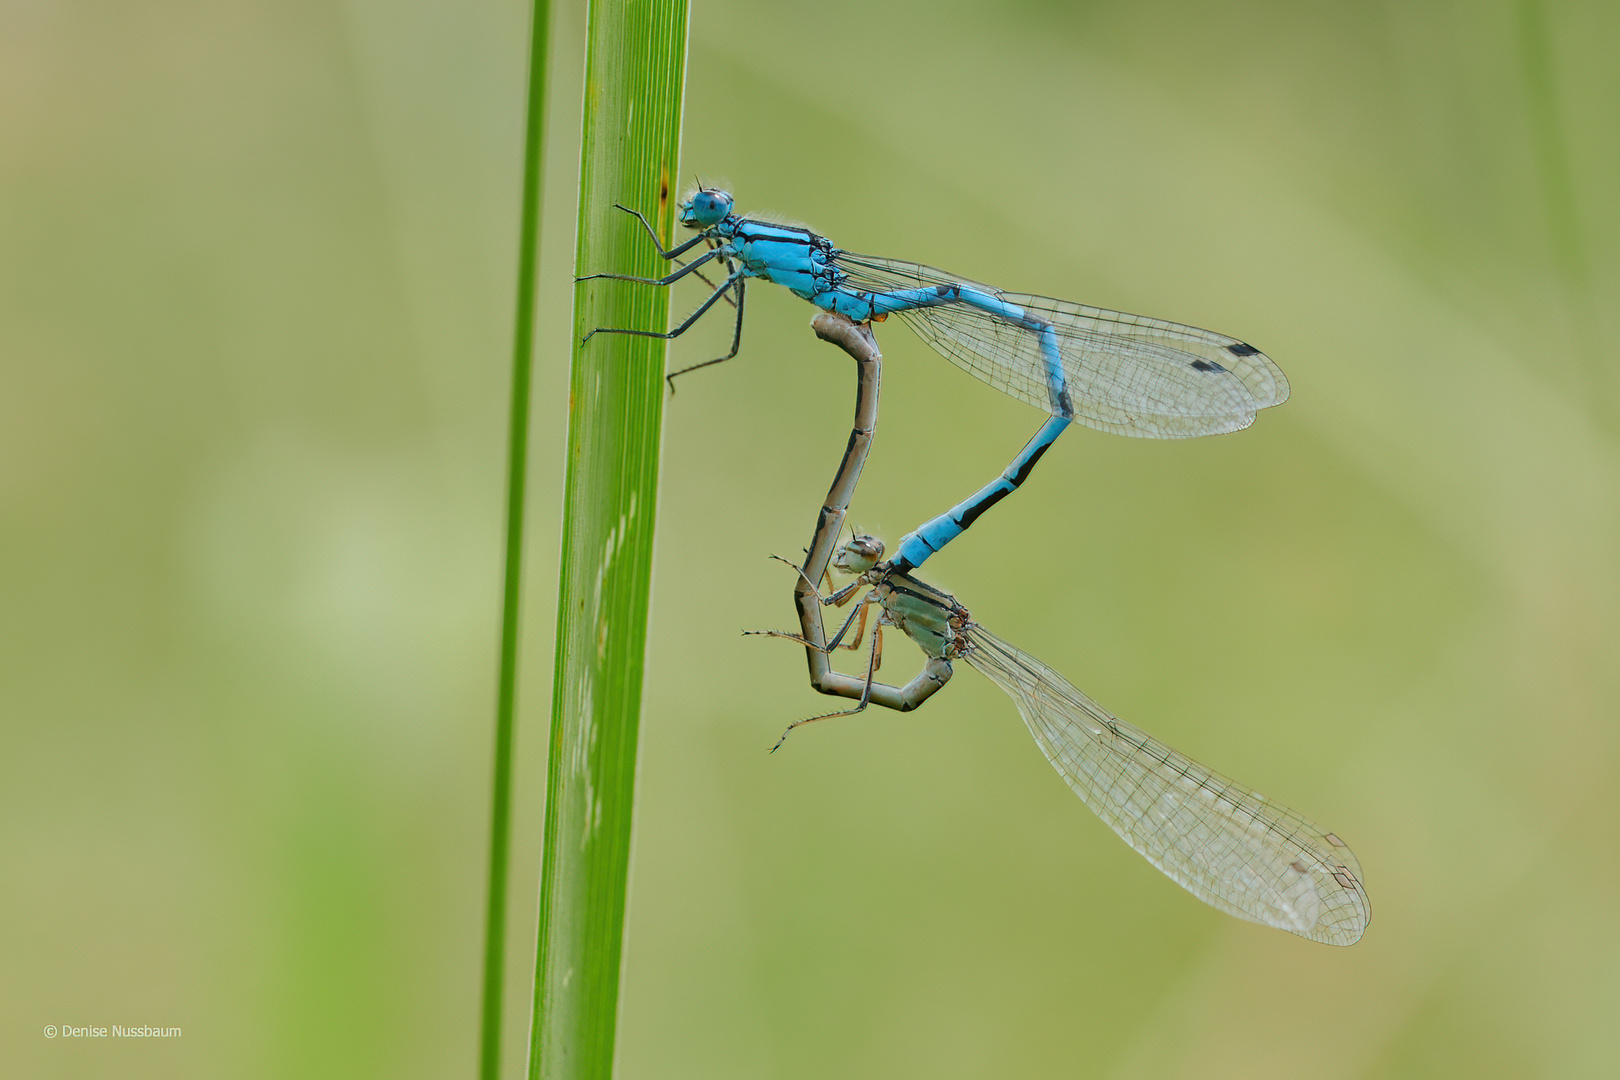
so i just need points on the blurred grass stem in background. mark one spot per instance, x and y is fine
(634, 82)
(1551, 153)
(500, 825)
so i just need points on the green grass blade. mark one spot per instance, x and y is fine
(634, 80)
(534, 141)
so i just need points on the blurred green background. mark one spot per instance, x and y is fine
(256, 267)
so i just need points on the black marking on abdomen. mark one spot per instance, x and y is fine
(966, 520)
(854, 440)
(1023, 474)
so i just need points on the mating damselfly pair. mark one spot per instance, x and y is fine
(1122, 373)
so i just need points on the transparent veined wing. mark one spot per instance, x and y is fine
(1127, 374)
(1227, 845)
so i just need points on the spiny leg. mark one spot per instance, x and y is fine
(735, 279)
(865, 699)
(667, 279)
(672, 255)
(859, 616)
(673, 252)
(840, 598)
(736, 335)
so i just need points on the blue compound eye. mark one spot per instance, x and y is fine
(708, 208)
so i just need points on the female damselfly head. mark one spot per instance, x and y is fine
(858, 555)
(706, 208)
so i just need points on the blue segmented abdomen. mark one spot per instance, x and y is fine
(1128, 374)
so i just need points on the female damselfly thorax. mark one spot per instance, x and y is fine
(930, 617)
(1222, 841)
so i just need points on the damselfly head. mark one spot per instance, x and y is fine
(706, 208)
(858, 555)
